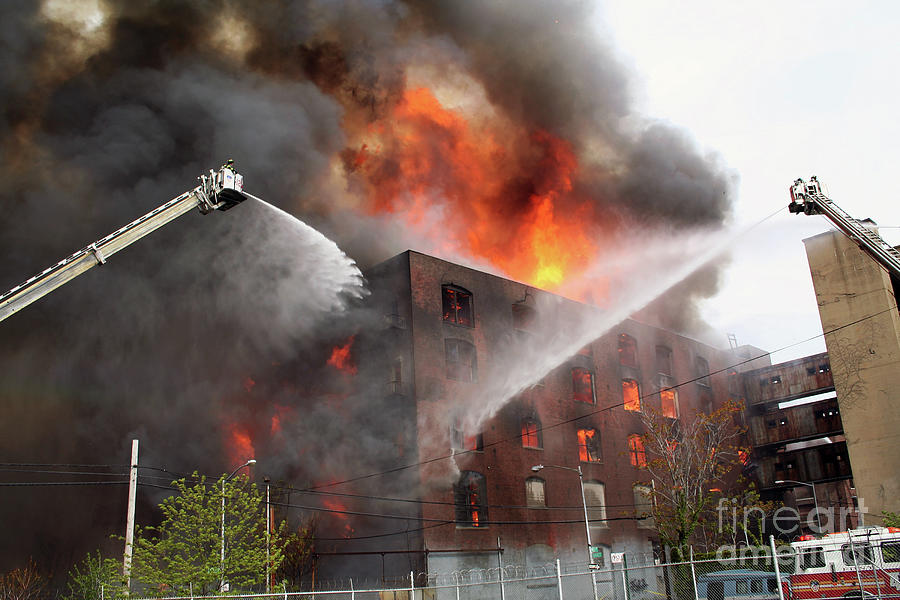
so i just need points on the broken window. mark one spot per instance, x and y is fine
(668, 398)
(663, 360)
(702, 371)
(627, 351)
(643, 505)
(523, 317)
(631, 395)
(534, 492)
(531, 434)
(775, 379)
(460, 440)
(588, 445)
(824, 368)
(583, 385)
(461, 362)
(595, 501)
(470, 498)
(457, 305)
(636, 450)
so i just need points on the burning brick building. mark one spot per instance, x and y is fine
(473, 359)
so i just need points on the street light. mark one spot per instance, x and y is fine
(252, 461)
(587, 526)
(815, 501)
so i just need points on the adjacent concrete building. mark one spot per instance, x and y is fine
(858, 308)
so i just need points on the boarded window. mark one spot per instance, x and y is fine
(583, 385)
(636, 450)
(663, 360)
(534, 492)
(457, 305)
(631, 395)
(627, 351)
(461, 363)
(470, 498)
(531, 434)
(595, 500)
(588, 445)
(643, 506)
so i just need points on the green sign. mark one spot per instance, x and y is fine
(597, 554)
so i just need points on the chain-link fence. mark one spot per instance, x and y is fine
(822, 570)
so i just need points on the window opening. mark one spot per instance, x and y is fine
(531, 434)
(471, 500)
(457, 306)
(523, 317)
(636, 450)
(669, 402)
(631, 395)
(702, 371)
(627, 351)
(663, 360)
(583, 385)
(534, 492)
(461, 362)
(588, 445)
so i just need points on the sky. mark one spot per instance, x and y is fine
(779, 90)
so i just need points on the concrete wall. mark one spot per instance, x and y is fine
(862, 326)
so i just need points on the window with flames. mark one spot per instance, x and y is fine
(636, 450)
(470, 498)
(531, 434)
(583, 385)
(589, 445)
(631, 395)
(457, 306)
(627, 351)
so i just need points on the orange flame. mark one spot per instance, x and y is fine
(239, 444)
(340, 357)
(499, 193)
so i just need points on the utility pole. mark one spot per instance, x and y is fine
(129, 519)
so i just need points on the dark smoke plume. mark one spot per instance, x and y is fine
(108, 109)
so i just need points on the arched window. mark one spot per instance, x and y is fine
(595, 501)
(457, 305)
(702, 371)
(461, 360)
(534, 492)
(636, 450)
(663, 360)
(589, 445)
(627, 351)
(461, 440)
(583, 385)
(531, 434)
(631, 395)
(470, 498)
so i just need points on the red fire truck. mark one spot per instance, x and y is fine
(849, 564)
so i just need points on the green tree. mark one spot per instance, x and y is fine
(890, 519)
(297, 555)
(182, 554)
(96, 578)
(689, 460)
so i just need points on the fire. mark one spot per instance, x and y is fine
(239, 444)
(340, 357)
(477, 188)
(338, 511)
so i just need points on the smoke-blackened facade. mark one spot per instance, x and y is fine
(454, 330)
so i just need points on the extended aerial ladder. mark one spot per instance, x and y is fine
(219, 190)
(808, 198)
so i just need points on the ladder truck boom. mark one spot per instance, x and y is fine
(808, 198)
(218, 190)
